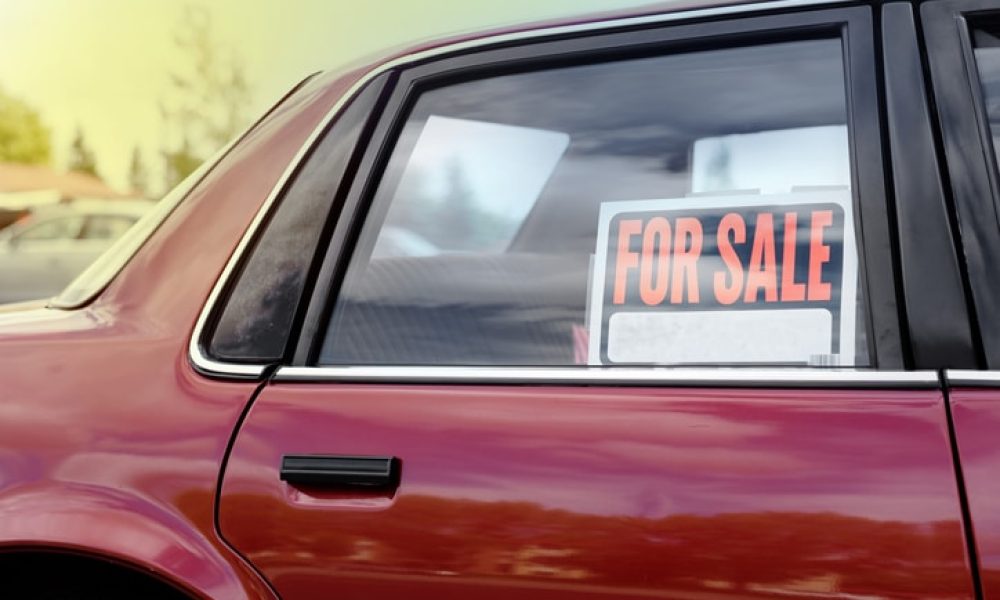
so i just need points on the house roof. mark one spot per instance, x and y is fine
(26, 178)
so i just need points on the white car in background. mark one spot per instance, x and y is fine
(43, 252)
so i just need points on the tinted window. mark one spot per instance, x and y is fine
(255, 323)
(684, 209)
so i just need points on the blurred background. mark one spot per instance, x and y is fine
(107, 104)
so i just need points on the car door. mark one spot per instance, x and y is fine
(607, 311)
(963, 55)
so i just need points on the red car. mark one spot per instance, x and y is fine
(689, 304)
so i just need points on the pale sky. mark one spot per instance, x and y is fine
(103, 64)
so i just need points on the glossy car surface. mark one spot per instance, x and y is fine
(149, 413)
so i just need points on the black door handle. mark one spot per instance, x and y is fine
(368, 472)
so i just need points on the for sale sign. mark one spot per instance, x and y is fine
(744, 279)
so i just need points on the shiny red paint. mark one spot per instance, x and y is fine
(609, 492)
(977, 420)
(110, 443)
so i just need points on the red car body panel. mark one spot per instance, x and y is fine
(977, 421)
(638, 492)
(110, 442)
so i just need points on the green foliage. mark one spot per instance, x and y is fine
(23, 136)
(179, 163)
(138, 176)
(81, 157)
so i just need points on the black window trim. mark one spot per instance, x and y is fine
(301, 181)
(969, 155)
(936, 310)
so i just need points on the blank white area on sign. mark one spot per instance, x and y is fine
(772, 162)
(721, 336)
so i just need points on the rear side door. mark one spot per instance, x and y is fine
(609, 312)
(963, 49)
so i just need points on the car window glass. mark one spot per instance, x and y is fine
(63, 228)
(106, 227)
(685, 209)
(256, 319)
(455, 195)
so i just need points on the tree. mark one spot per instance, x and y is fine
(23, 136)
(138, 177)
(207, 103)
(458, 212)
(179, 163)
(81, 157)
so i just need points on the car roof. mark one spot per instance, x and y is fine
(609, 19)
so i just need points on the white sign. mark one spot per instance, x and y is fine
(744, 279)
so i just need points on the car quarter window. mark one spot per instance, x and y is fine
(254, 324)
(695, 207)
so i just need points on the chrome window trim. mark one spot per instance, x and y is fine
(803, 377)
(196, 354)
(970, 378)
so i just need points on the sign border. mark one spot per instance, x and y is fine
(841, 197)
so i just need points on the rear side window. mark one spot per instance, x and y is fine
(685, 209)
(255, 322)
